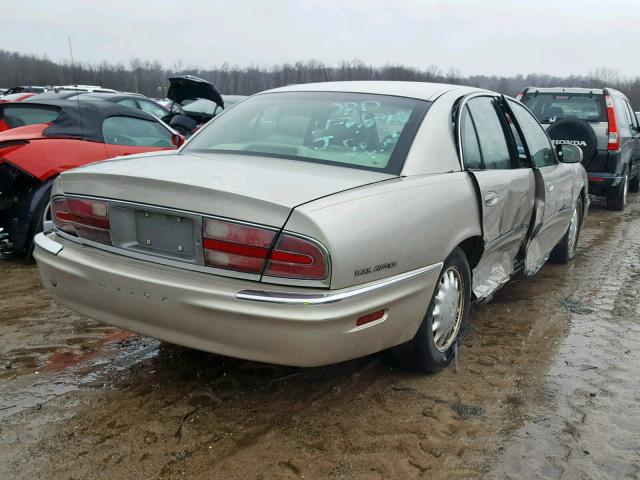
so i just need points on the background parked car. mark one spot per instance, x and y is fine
(271, 237)
(16, 97)
(84, 88)
(131, 100)
(194, 102)
(49, 138)
(602, 123)
(25, 89)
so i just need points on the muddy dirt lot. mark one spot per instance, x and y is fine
(547, 386)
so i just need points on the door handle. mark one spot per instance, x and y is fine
(490, 199)
(550, 187)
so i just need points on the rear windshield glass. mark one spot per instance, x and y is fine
(20, 116)
(551, 107)
(371, 132)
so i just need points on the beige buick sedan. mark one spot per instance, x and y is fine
(318, 223)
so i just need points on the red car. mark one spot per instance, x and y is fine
(40, 140)
(16, 97)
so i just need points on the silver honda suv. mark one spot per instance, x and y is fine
(603, 124)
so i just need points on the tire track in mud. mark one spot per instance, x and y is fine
(592, 429)
(186, 414)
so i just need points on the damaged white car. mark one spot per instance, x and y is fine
(317, 223)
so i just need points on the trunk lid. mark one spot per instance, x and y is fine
(189, 87)
(248, 188)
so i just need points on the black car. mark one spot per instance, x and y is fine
(195, 102)
(131, 100)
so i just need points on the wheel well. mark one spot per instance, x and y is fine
(473, 248)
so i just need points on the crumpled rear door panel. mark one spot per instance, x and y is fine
(554, 207)
(507, 199)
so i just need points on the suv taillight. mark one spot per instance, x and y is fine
(245, 248)
(614, 138)
(84, 218)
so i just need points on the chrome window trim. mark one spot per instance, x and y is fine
(201, 268)
(458, 125)
(302, 299)
(458, 121)
(524, 139)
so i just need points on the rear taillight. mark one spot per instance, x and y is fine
(226, 245)
(295, 257)
(614, 138)
(519, 96)
(245, 248)
(235, 246)
(88, 219)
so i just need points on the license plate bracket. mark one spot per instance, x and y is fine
(169, 234)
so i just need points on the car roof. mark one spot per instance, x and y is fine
(596, 91)
(108, 95)
(81, 119)
(84, 88)
(575, 90)
(233, 98)
(51, 95)
(420, 90)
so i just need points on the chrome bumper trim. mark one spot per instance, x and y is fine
(46, 244)
(289, 298)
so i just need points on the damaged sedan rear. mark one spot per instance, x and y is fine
(318, 223)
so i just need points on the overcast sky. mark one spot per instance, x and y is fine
(474, 36)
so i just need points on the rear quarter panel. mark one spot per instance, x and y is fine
(391, 227)
(44, 158)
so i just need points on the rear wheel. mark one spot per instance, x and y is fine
(433, 346)
(565, 251)
(617, 196)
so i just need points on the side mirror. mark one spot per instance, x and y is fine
(177, 139)
(569, 153)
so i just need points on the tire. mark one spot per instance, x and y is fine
(424, 353)
(565, 251)
(575, 130)
(634, 184)
(36, 225)
(617, 196)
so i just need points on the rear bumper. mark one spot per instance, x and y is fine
(289, 326)
(600, 182)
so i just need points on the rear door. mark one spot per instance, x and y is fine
(554, 192)
(506, 189)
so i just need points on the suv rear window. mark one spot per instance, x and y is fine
(551, 107)
(370, 132)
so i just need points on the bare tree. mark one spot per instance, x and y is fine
(150, 78)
